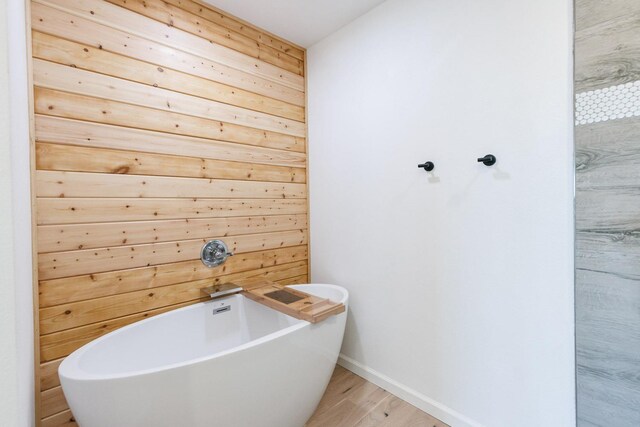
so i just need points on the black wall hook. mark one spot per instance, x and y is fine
(428, 166)
(488, 160)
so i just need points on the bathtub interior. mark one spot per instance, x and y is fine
(181, 336)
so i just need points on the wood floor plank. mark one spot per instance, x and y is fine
(60, 157)
(98, 60)
(79, 133)
(71, 315)
(118, 18)
(79, 107)
(79, 211)
(55, 22)
(58, 238)
(90, 261)
(391, 412)
(352, 401)
(81, 184)
(194, 24)
(83, 287)
(356, 405)
(64, 78)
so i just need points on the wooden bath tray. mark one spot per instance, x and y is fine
(293, 302)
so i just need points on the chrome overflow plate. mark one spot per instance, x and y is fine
(214, 253)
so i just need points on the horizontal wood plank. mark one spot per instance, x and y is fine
(75, 211)
(62, 104)
(62, 419)
(80, 184)
(95, 285)
(57, 238)
(118, 18)
(55, 22)
(66, 316)
(72, 263)
(194, 24)
(49, 374)
(59, 157)
(64, 78)
(52, 402)
(98, 60)
(298, 280)
(223, 19)
(97, 135)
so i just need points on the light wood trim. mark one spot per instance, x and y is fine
(66, 316)
(62, 419)
(306, 150)
(73, 80)
(53, 401)
(74, 132)
(58, 157)
(236, 24)
(76, 211)
(62, 104)
(52, 21)
(179, 18)
(90, 58)
(95, 285)
(117, 18)
(57, 238)
(80, 184)
(73, 263)
(34, 233)
(49, 374)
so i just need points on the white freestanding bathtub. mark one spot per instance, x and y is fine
(245, 366)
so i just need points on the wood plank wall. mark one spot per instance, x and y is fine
(159, 124)
(607, 53)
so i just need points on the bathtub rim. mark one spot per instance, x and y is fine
(75, 373)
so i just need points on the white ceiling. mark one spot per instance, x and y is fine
(303, 22)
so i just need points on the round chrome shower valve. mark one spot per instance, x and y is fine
(214, 253)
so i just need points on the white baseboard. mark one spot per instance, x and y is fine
(428, 405)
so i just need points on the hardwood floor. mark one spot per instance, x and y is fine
(352, 401)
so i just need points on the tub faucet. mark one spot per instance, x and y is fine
(221, 290)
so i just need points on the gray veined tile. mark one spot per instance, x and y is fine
(613, 210)
(607, 252)
(594, 12)
(607, 403)
(608, 54)
(608, 154)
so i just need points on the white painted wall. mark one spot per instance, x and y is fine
(8, 340)
(462, 281)
(16, 303)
